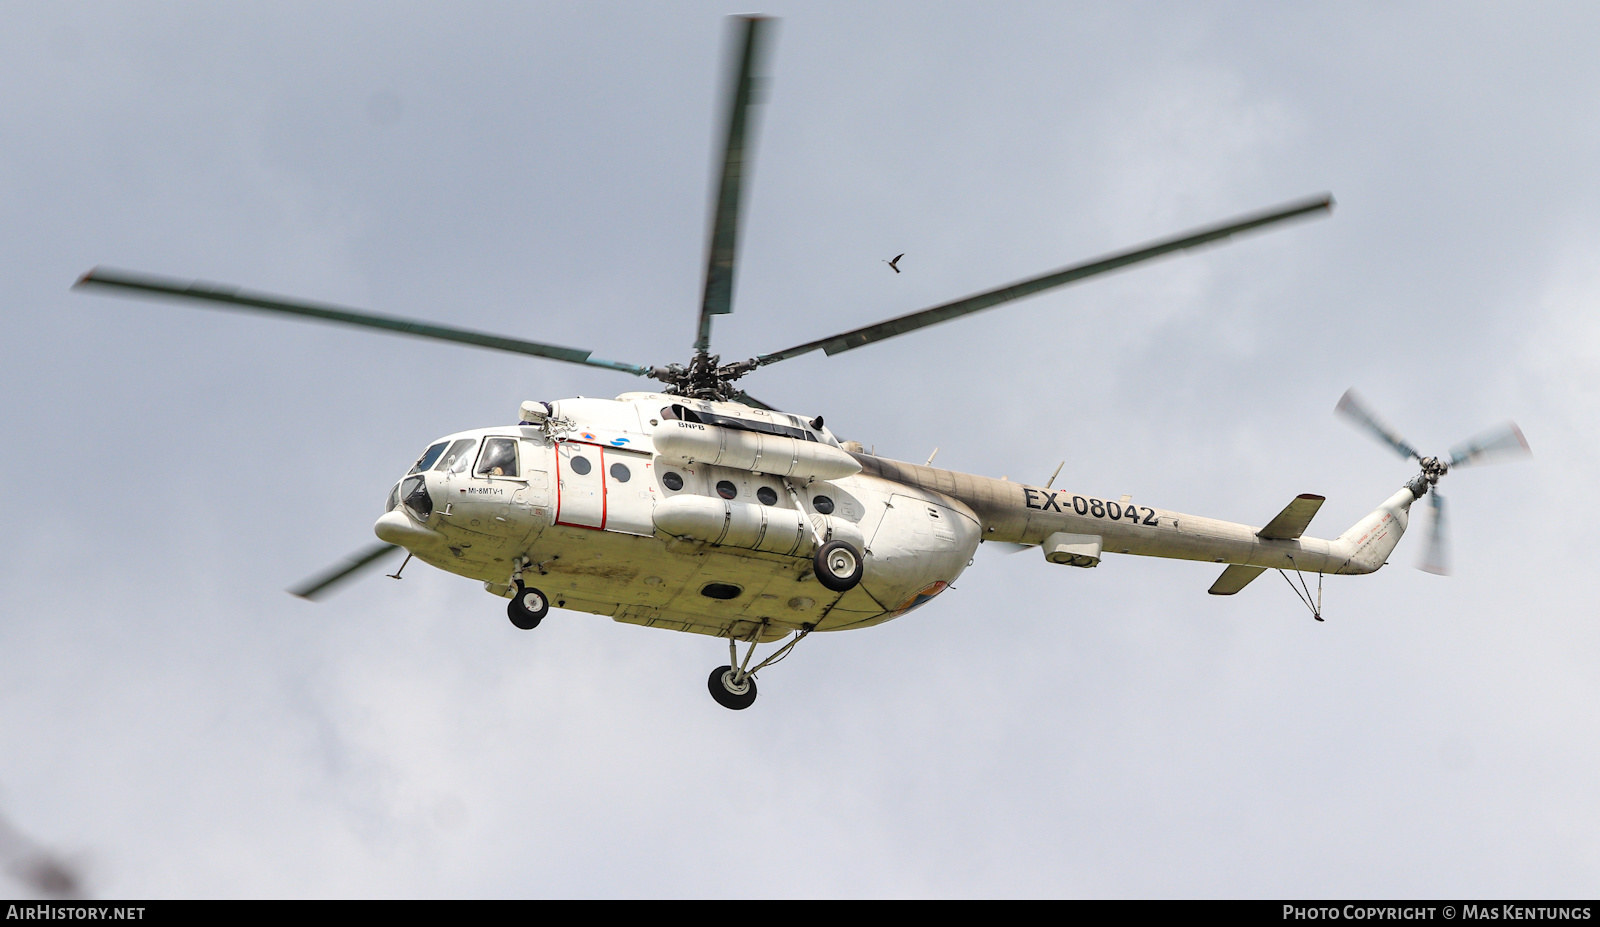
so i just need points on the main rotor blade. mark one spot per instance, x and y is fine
(749, 32)
(1437, 558)
(923, 318)
(316, 586)
(127, 283)
(753, 402)
(1351, 406)
(1497, 443)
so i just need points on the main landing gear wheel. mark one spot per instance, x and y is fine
(838, 566)
(736, 688)
(728, 693)
(527, 608)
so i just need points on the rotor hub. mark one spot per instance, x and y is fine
(705, 377)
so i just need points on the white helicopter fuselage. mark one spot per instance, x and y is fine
(703, 515)
(646, 510)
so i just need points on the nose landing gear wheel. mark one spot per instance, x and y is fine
(527, 608)
(838, 566)
(729, 694)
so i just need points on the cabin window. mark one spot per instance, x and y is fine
(428, 457)
(726, 489)
(822, 504)
(393, 500)
(499, 458)
(672, 481)
(767, 495)
(619, 472)
(455, 459)
(581, 465)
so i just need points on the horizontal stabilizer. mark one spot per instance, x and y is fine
(1292, 521)
(1235, 578)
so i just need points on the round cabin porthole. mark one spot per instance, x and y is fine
(822, 504)
(672, 481)
(720, 591)
(726, 489)
(581, 465)
(767, 495)
(619, 472)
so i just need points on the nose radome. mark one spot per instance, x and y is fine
(396, 527)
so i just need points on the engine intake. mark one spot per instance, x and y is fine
(692, 442)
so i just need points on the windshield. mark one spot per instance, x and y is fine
(428, 457)
(456, 458)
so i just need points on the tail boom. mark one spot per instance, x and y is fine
(1021, 514)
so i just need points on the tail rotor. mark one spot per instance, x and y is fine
(1500, 443)
(1436, 559)
(1351, 407)
(1494, 444)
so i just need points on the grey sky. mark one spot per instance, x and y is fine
(176, 722)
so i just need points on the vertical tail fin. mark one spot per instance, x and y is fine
(1369, 542)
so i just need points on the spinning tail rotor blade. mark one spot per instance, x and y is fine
(319, 585)
(1351, 407)
(1495, 444)
(125, 283)
(932, 316)
(1506, 440)
(1437, 558)
(723, 250)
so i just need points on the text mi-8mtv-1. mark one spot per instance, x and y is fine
(698, 508)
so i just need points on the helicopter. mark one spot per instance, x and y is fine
(696, 507)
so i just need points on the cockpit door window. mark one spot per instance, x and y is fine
(498, 458)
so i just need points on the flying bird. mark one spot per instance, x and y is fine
(895, 261)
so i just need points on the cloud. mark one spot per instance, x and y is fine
(1038, 730)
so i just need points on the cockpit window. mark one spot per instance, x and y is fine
(459, 453)
(414, 493)
(499, 457)
(428, 457)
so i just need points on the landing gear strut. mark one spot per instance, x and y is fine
(838, 565)
(528, 606)
(734, 686)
